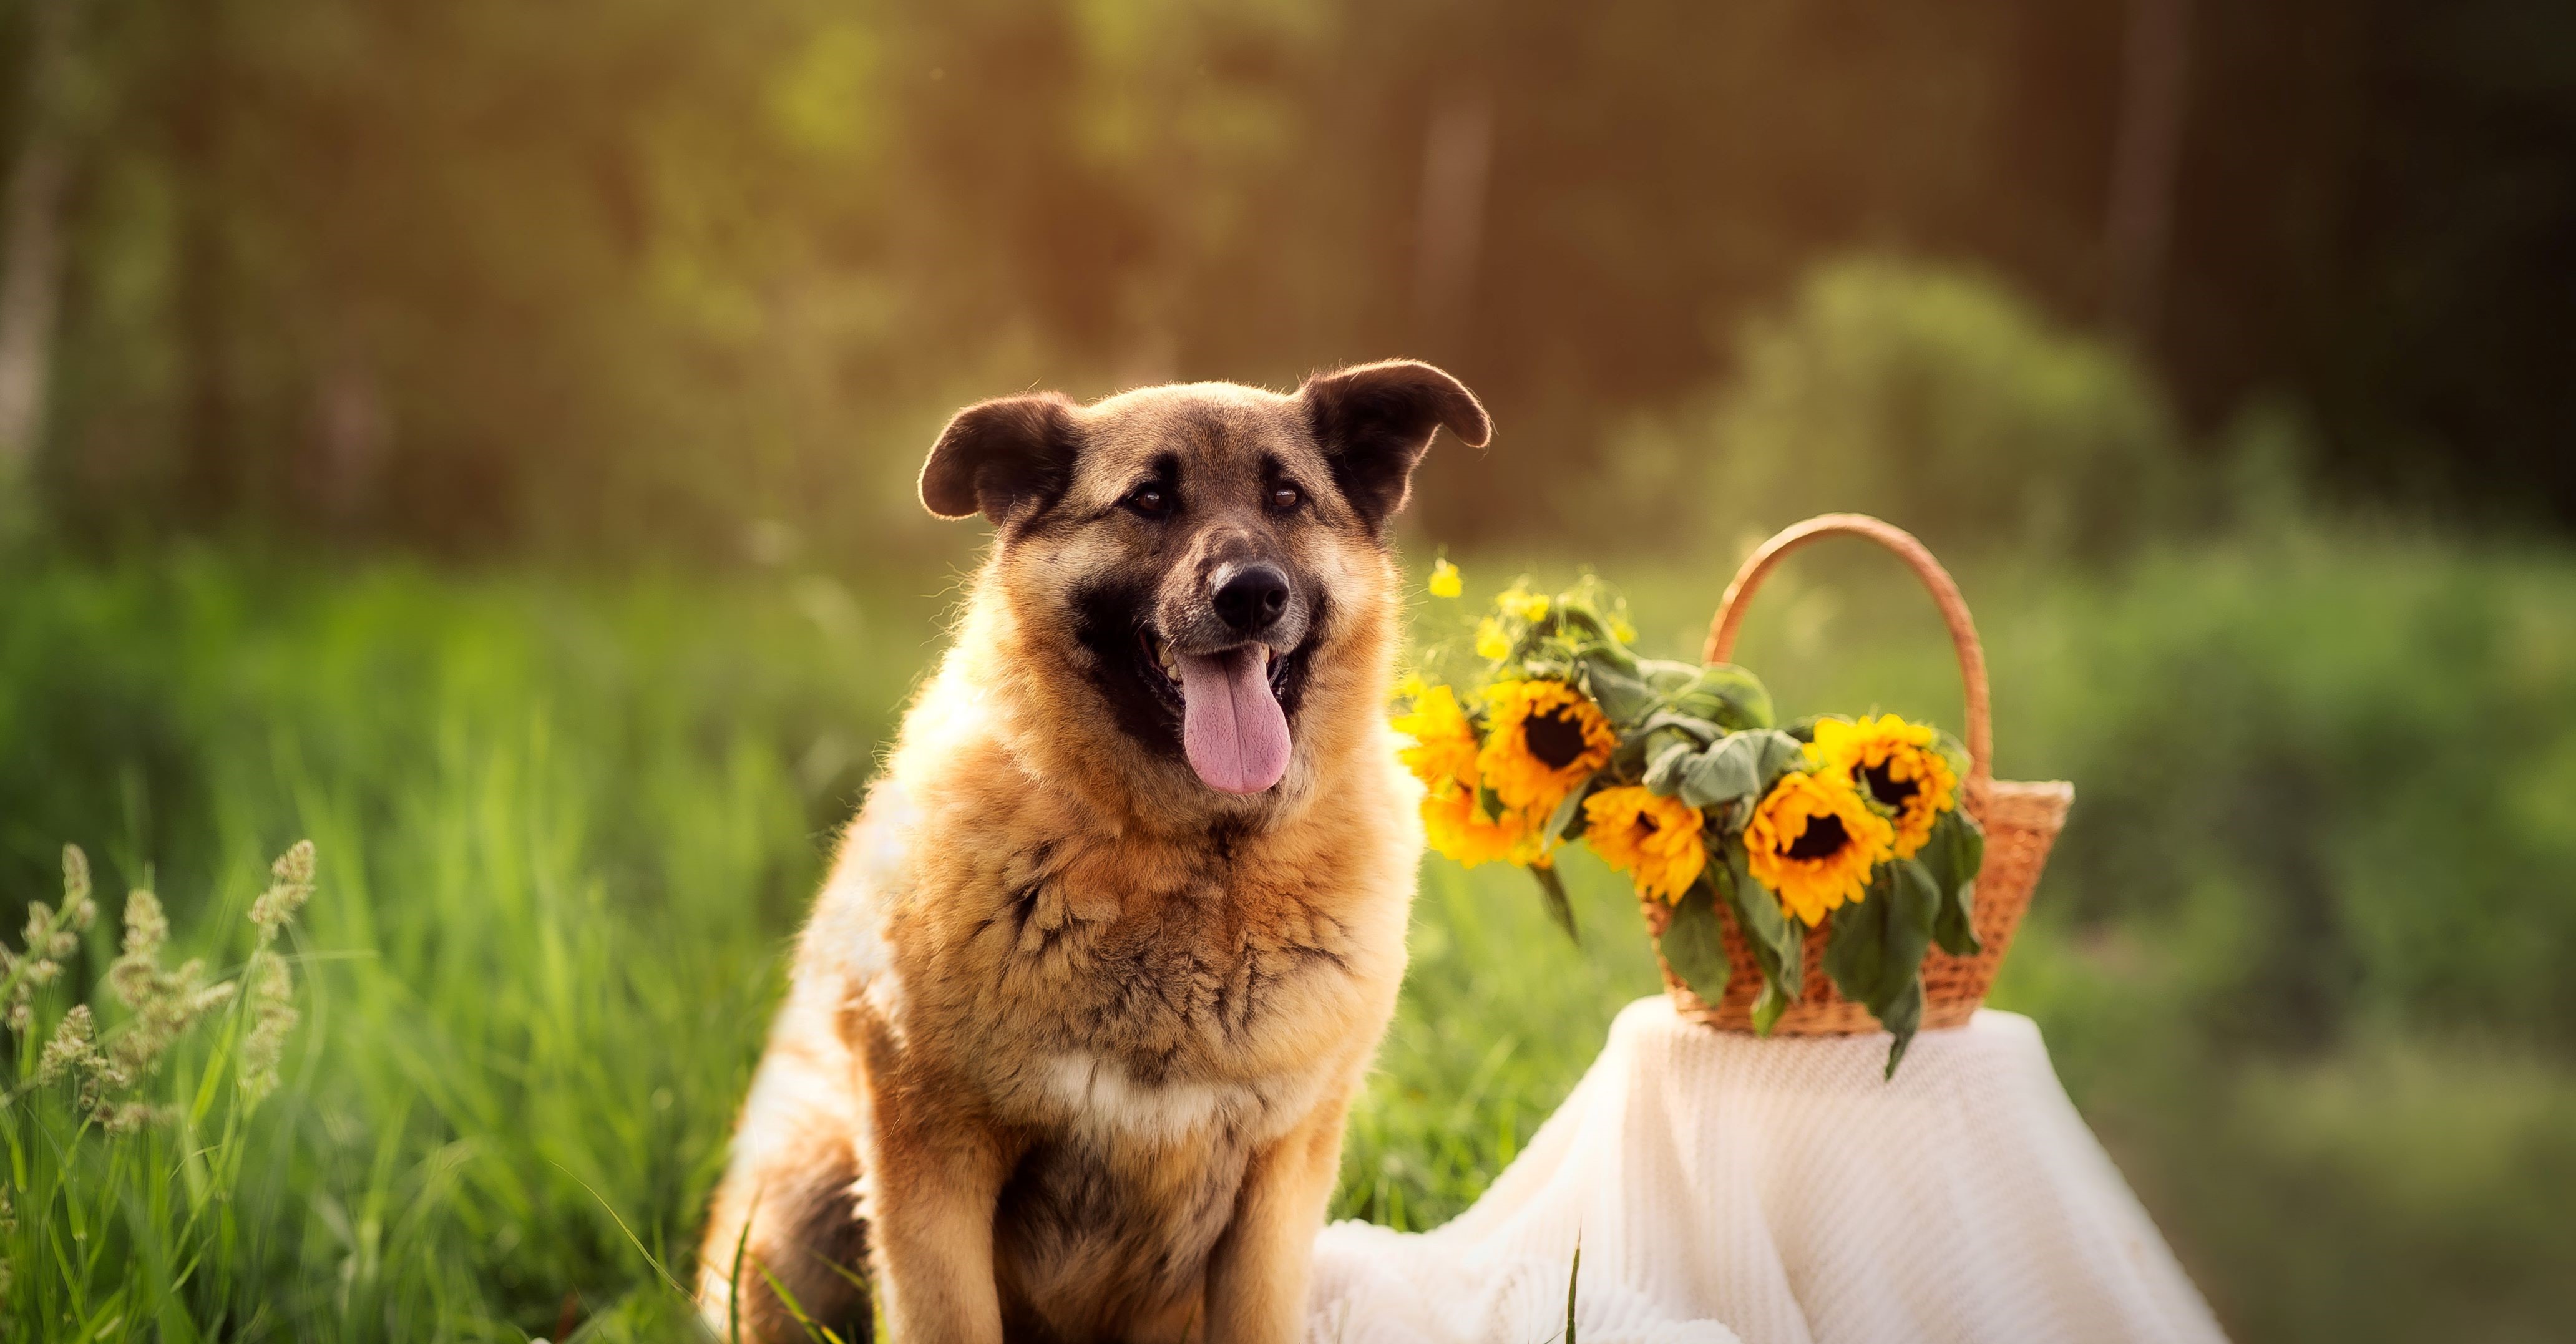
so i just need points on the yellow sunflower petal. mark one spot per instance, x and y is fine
(1656, 841)
(1813, 842)
(1897, 765)
(1440, 744)
(1543, 738)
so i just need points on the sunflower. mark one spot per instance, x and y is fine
(1546, 737)
(1442, 746)
(1813, 841)
(1656, 841)
(1458, 827)
(1895, 763)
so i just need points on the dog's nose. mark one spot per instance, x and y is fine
(1250, 600)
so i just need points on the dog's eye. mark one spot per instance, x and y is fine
(1286, 497)
(1153, 501)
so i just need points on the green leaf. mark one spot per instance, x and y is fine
(1768, 1006)
(1622, 695)
(1667, 676)
(1727, 694)
(1725, 772)
(1567, 820)
(1573, 1278)
(1857, 954)
(1588, 633)
(1551, 889)
(1778, 942)
(1902, 1018)
(1953, 856)
(1664, 776)
(1781, 753)
(1694, 942)
(1876, 956)
(1701, 731)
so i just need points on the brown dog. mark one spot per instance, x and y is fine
(1102, 960)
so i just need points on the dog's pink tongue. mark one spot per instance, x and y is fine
(1231, 724)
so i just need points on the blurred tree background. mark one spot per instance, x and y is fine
(485, 275)
(482, 436)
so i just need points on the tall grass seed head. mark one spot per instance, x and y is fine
(273, 1015)
(290, 885)
(73, 1049)
(146, 927)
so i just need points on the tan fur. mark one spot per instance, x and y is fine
(1072, 1036)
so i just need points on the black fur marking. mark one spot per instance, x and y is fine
(1109, 622)
(820, 1235)
(1222, 835)
(1374, 422)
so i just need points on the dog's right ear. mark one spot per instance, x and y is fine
(1002, 458)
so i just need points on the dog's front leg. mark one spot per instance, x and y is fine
(1256, 1282)
(934, 1171)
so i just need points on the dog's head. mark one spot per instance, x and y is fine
(1207, 561)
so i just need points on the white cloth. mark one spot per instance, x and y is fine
(1779, 1192)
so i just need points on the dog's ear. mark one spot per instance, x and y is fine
(1374, 421)
(1002, 457)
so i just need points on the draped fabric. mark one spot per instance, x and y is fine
(1779, 1192)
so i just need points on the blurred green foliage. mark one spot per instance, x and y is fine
(566, 833)
(1926, 395)
(676, 284)
(2295, 954)
(481, 275)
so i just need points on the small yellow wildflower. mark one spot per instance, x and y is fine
(1491, 642)
(1520, 601)
(1656, 841)
(1444, 579)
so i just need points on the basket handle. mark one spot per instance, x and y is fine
(1945, 594)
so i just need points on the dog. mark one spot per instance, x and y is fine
(1073, 1029)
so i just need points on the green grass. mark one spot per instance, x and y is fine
(566, 826)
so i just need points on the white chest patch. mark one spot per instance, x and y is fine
(1100, 1098)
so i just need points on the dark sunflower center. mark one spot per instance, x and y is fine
(1824, 838)
(1886, 787)
(1553, 737)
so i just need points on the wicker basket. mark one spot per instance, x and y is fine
(2021, 822)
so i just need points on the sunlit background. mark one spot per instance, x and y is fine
(481, 436)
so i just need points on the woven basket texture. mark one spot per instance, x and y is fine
(2021, 823)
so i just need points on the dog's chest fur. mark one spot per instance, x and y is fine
(1146, 1013)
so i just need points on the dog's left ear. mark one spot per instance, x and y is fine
(999, 457)
(1374, 421)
